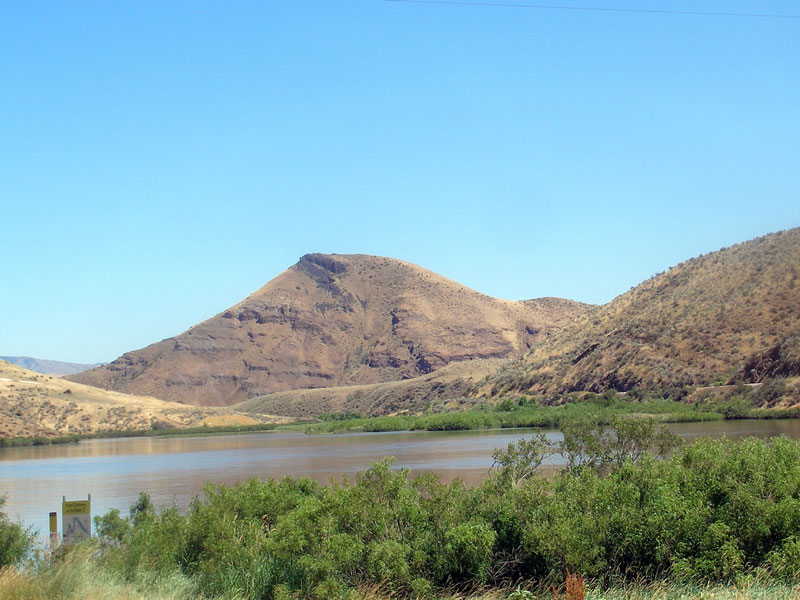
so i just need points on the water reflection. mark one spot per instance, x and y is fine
(174, 469)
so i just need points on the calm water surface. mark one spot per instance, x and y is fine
(175, 469)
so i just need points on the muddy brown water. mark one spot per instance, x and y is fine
(175, 469)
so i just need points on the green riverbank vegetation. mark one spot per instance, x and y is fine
(524, 411)
(713, 519)
(125, 433)
(672, 405)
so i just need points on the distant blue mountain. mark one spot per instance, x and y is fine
(48, 367)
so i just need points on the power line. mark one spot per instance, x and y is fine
(600, 9)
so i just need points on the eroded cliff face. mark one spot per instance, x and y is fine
(333, 320)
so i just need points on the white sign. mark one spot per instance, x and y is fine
(77, 520)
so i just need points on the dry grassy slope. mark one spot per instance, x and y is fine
(729, 315)
(333, 320)
(34, 404)
(443, 387)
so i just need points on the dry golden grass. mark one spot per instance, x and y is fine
(77, 577)
(224, 420)
(669, 591)
(443, 388)
(725, 316)
(787, 398)
(32, 404)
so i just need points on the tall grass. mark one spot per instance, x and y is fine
(525, 415)
(752, 590)
(75, 575)
(78, 576)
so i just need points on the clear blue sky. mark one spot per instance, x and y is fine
(161, 160)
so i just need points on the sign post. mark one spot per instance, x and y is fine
(53, 529)
(76, 517)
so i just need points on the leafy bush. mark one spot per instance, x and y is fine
(15, 540)
(507, 405)
(343, 416)
(716, 510)
(588, 443)
(112, 527)
(520, 460)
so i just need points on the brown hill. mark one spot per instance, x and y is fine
(333, 320)
(732, 315)
(34, 404)
(446, 388)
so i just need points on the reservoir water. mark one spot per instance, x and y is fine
(175, 469)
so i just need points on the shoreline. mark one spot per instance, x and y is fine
(465, 420)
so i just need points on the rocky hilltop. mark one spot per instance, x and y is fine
(333, 320)
(732, 315)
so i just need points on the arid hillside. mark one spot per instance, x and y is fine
(446, 389)
(33, 404)
(731, 315)
(333, 320)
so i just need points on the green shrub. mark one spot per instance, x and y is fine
(520, 459)
(507, 405)
(715, 510)
(15, 540)
(784, 562)
(468, 550)
(112, 527)
(589, 443)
